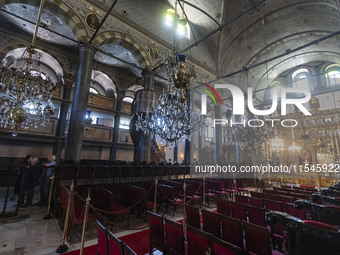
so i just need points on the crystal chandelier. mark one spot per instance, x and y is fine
(248, 137)
(169, 119)
(169, 116)
(25, 90)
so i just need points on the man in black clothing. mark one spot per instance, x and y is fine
(31, 177)
(16, 191)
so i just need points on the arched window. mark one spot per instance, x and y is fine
(94, 91)
(332, 74)
(37, 73)
(128, 99)
(102, 84)
(300, 79)
(131, 92)
(48, 66)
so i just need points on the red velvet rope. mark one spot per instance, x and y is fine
(112, 223)
(97, 211)
(121, 212)
(171, 201)
(195, 193)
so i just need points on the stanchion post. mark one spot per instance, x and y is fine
(88, 199)
(155, 198)
(48, 216)
(204, 191)
(184, 201)
(63, 247)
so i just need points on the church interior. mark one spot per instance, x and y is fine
(209, 128)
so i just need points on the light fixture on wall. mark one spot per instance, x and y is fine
(294, 147)
(87, 122)
(26, 89)
(277, 144)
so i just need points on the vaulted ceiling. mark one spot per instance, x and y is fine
(227, 36)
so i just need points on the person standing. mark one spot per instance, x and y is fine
(17, 186)
(45, 181)
(31, 175)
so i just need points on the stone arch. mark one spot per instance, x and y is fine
(128, 43)
(105, 81)
(287, 64)
(10, 48)
(64, 12)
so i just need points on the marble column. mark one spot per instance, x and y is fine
(144, 146)
(62, 121)
(200, 149)
(187, 147)
(218, 135)
(175, 153)
(74, 139)
(115, 136)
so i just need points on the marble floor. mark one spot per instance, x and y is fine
(29, 234)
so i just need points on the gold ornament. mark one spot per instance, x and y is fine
(18, 115)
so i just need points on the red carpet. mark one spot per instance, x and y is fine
(138, 242)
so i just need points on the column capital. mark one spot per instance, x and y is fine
(148, 73)
(149, 79)
(87, 47)
(68, 83)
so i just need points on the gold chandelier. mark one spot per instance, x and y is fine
(27, 101)
(277, 144)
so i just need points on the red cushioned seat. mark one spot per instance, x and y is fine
(199, 242)
(256, 215)
(320, 225)
(232, 231)
(102, 247)
(192, 215)
(299, 213)
(241, 199)
(223, 207)
(257, 239)
(174, 238)
(333, 207)
(257, 202)
(194, 197)
(211, 223)
(221, 247)
(238, 211)
(128, 250)
(274, 205)
(177, 201)
(115, 245)
(156, 232)
(79, 214)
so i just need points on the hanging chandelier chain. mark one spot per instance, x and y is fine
(42, 2)
(26, 89)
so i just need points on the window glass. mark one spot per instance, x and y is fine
(333, 75)
(94, 91)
